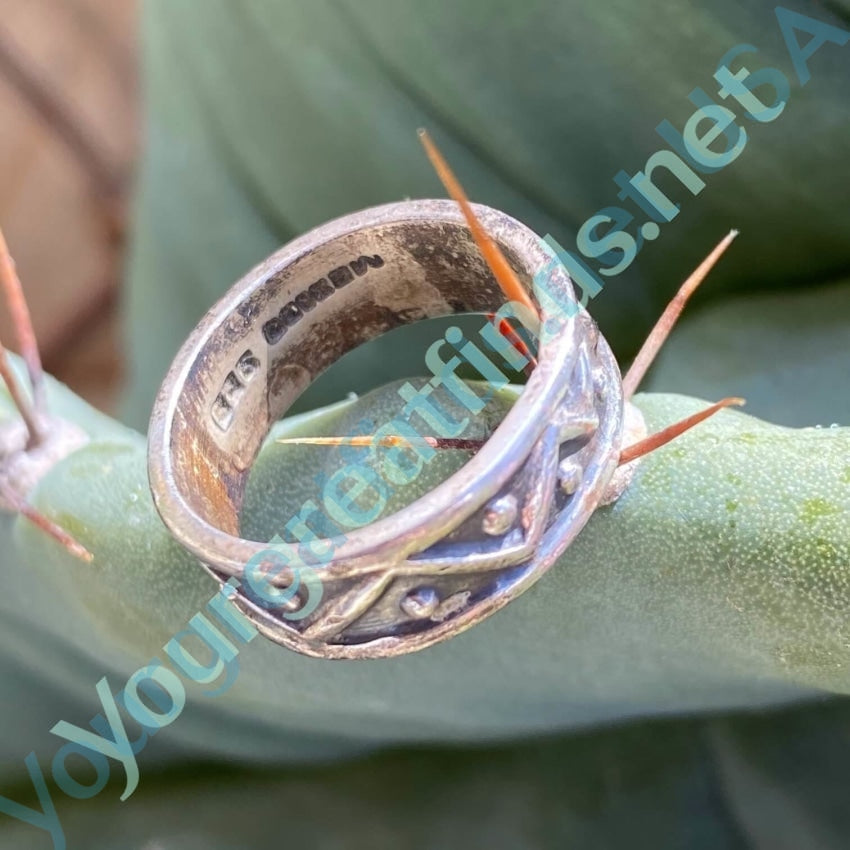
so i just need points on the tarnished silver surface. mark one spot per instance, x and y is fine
(475, 541)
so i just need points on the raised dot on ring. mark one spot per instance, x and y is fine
(569, 476)
(420, 603)
(500, 515)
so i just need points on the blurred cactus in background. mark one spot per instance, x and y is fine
(716, 589)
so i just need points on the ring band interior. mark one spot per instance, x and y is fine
(294, 322)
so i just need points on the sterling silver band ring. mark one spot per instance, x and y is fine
(474, 542)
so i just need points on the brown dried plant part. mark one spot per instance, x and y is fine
(661, 438)
(28, 415)
(652, 345)
(514, 290)
(38, 519)
(390, 441)
(21, 462)
(509, 332)
(627, 455)
(658, 335)
(13, 294)
(493, 256)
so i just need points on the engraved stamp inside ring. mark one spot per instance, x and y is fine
(481, 537)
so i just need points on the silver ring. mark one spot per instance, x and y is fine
(478, 539)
